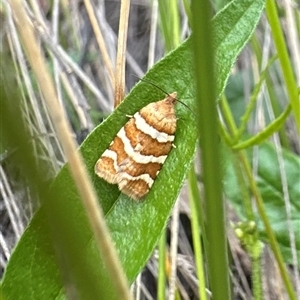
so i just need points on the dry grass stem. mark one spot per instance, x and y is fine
(101, 42)
(88, 196)
(121, 54)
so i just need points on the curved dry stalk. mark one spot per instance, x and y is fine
(77, 168)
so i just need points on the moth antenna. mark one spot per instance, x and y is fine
(186, 107)
(162, 90)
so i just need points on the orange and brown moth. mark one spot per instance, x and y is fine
(137, 153)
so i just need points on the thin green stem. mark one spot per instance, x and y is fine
(256, 278)
(244, 189)
(246, 116)
(271, 92)
(285, 62)
(228, 116)
(273, 127)
(196, 232)
(209, 143)
(169, 17)
(161, 268)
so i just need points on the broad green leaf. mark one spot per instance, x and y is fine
(135, 226)
(269, 182)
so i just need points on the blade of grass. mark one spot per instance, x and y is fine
(194, 204)
(161, 289)
(285, 62)
(253, 99)
(169, 16)
(211, 163)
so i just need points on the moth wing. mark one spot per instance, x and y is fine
(134, 179)
(137, 171)
(135, 157)
(106, 167)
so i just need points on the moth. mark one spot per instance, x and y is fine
(135, 156)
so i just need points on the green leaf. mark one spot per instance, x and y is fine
(269, 130)
(270, 185)
(135, 226)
